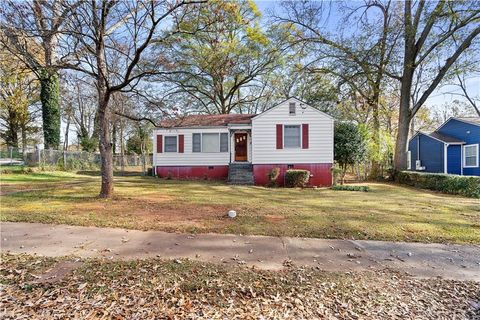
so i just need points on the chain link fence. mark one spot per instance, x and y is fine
(72, 160)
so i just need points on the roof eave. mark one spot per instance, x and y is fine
(435, 138)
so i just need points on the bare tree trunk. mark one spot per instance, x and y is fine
(24, 140)
(65, 144)
(404, 118)
(375, 170)
(122, 149)
(412, 126)
(114, 137)
(104, 116)
(344, 171)
(405, 114)
(67, 129)
(105, 147)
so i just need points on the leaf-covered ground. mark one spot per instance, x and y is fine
(387, 212)
(159, 289)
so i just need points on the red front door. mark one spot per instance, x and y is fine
(241, 147)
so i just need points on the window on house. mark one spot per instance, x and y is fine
(171, 144)
(210, 142)
(470, 155)
(291, 136)
(292, 108)
(409, 160)
(197, 142)
(223, 142)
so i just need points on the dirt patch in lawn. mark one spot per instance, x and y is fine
(159, 213)
(8, 189)
(275, 218)
(58, 272)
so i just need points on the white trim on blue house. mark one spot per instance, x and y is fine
(445, 158)
(461, 120)
(476, 158)
(426, 134)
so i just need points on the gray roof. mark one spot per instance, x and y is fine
(473, 120)
(445, 138)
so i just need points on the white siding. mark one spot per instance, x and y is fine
(264, 147)
(189, 158)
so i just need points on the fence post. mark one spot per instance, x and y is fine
(64, 160)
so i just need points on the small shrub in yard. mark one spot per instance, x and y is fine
(463, 185)
(351, 188)
(296, 178)
(273, 176)
(336, 173)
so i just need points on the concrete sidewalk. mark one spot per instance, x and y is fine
(461, 262)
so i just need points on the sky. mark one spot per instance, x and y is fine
(439, 97)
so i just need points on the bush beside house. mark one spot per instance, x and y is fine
(468, 186)
(351, 188)
(272, 176)
(296, 178)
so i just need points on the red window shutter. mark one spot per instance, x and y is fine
(159, 143)
(305, 136)
(279, 136)
(181, 143)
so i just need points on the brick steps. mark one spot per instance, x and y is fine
(240, 174)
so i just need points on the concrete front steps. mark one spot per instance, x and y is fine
(240, 173)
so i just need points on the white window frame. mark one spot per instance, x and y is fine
(200, 151)
(465, 155)
(409, 160)
(219, 134)
(228, 140)
(165, 143)
(294, 105)
(301, 136)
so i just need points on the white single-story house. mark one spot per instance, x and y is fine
(244, 148)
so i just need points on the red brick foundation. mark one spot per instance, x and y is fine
(195, 172)
(321, 174)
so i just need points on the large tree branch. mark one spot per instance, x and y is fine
(429, 24)
(463, 87)
(441, 74)
(135, 118)
(139, 50)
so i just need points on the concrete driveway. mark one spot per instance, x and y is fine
(460, 262)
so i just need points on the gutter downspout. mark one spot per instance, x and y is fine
(445, 158)
(154, 153)
(461, 159)
(418, 151)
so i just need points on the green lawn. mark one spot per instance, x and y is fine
(387, 212)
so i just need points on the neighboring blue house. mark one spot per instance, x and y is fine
(453, 148)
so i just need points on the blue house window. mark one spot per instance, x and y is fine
(470, 156)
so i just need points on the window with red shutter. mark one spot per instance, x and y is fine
(279, 136)
(305, 136)
(181, 143)
(159, 143)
